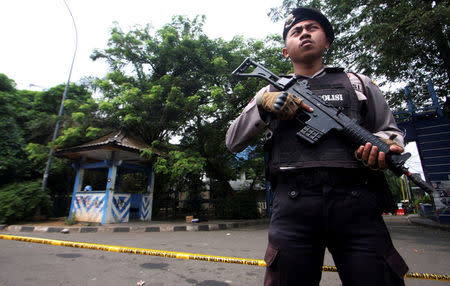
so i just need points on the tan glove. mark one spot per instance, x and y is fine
(283, 104)
(390, 142)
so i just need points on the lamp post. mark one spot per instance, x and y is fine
(61, 108)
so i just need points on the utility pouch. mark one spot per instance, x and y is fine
(396, 262)
(378, 184)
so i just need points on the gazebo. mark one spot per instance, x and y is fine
(116, 153)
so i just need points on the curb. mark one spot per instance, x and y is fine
(133, 228)
(426, 222)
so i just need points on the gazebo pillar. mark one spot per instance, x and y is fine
(77, 186)
(145, 211)
(109, 192)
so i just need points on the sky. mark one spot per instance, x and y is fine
(414, 164)
(38, 36)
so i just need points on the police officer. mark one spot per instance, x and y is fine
(327, 195)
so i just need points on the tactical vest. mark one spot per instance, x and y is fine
(288, 152)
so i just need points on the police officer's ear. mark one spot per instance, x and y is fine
(327, 46)
(285, 53)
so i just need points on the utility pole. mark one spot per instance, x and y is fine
(61, 108)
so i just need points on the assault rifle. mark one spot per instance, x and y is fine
(326, 117)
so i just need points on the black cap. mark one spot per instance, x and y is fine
(302, 14)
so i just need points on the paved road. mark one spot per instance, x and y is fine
(425, 250)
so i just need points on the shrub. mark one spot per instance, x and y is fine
(424, 200)
(20, 201)
(241, 205)
(71, 220)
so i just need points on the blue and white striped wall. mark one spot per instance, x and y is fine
(88, 206)
(120, 208)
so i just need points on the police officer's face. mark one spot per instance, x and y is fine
(306, 41)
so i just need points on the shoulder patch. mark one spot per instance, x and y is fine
(357, 82)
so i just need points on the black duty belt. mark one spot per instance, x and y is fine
(315, 177)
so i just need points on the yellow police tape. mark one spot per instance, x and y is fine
(184, 255)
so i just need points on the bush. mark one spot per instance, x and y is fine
(20, 201)
(241, 205)
(424, 200)
(71, 219)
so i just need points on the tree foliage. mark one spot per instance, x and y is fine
(176, 82)
(27, 121)
(12, 141)
(173, 83)
(19, 201)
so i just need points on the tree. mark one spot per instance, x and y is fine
(176, 82)
(79, 124)
(27, 119)
(13, 109)
(398, 40)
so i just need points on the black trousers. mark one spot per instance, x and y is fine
(316, 210)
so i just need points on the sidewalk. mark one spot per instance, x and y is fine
(153, 226)
(160, 226)
(423, 221)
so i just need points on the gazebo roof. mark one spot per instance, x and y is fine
(126, 146)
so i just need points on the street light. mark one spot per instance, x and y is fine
(61, 108)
